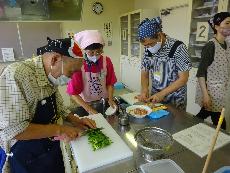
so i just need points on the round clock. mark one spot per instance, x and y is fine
(97, 8)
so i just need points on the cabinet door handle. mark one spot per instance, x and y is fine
(124, 34)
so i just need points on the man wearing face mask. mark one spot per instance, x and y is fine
(214, 70)
(96, 78)
(30, 105)
(167, 61)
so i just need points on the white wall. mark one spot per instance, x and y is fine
(179, 27)
(112, 11)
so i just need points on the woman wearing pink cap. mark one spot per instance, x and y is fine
(96, 78)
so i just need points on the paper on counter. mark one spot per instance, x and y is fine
(198, 139)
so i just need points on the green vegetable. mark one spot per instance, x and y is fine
(98, 139)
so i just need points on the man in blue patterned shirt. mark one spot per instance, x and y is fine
(167, 61)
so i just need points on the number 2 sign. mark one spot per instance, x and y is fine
(202, 31)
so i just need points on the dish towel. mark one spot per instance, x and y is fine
(158, 114)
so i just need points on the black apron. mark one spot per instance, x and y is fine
(39, 155)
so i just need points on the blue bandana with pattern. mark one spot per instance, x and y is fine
(149, 27)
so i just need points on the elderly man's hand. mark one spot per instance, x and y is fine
(88, 123)
(81, 123)
(67, 133)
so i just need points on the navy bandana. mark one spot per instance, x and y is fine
(148, 28)
(64, 47)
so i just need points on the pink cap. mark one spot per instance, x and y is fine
(88, 37)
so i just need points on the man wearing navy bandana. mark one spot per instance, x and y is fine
(167, 61)
(31, 105)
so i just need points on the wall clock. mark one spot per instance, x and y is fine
(97, 8)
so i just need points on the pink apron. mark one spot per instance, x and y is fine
(94, 84)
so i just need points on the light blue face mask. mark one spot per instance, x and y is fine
(61, 80)
(155, 48)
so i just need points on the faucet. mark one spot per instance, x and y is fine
(103, 106)
(118, 103)
(117, 100)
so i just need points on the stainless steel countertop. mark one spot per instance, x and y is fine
(176, 121)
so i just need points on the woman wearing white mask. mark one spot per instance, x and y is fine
(96, 78)
(167, 61)
(213, 72)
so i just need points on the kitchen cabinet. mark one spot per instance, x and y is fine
(200, 31)
(131, 50)
(40, 10)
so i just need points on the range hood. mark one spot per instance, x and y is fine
(32, 10)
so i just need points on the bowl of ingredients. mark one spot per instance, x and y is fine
(138, 111)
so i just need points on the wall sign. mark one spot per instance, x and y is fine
(202, 31)
(108, 32)
(8, 54)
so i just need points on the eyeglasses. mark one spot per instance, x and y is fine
(94, 52)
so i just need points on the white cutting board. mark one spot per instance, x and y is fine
(87, 159)
(130, 97)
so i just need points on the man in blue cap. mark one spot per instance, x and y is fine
(167, 61)
(30, 106)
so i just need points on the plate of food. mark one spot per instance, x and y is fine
(138, 111)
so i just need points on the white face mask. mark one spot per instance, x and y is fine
(61, 80)
(155, 48)
(93, 58)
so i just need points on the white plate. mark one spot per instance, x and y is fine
(130, 109)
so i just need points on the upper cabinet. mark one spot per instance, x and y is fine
(200, 31)
(130, 45)
(39, 10)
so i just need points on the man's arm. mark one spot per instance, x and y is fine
(38, 131)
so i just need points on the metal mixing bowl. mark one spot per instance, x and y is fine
(153, 142)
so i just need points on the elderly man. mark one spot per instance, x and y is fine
(30, 106)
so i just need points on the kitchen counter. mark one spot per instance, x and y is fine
(175, 122)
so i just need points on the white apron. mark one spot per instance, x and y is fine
(217, 78)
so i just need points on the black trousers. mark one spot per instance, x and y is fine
(203, 114)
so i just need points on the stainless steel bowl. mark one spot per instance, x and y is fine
(153, 142)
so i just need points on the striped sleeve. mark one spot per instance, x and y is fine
(181, 55)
